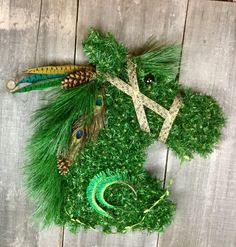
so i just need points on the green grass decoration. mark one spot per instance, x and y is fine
(40, 85)
(107, 54)
(39, 77)
(77, 199)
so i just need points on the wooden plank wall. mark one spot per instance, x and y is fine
(48, 32)
(31, 33)
(205, 188)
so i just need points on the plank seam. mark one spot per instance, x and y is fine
(38, 28)
(76, 29)
(177, 77)
(62, 236)
(165, 171)
(183, 39)
(231, 1)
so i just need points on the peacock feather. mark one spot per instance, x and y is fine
(83, 130)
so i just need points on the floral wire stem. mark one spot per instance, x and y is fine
(147, 210)
(157, 202)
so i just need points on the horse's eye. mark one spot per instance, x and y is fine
(149, 78)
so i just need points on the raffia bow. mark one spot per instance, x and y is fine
(140, 100)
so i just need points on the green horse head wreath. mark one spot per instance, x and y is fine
(85, 158)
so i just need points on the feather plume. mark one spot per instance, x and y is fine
(98, 186)
(91, 193)
(39, 77)
(62, 69)
(39, 86)
(117, 178)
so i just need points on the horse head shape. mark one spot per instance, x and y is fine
(97, 134)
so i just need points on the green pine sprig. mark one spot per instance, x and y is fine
(52, 134)
(160, 61)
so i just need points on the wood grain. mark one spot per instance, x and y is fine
(132, 22)
(30, 34)
(205, 189)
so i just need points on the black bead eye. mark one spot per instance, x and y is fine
(149, 78)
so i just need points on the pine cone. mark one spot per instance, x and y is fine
(79, 77)
(63, 165)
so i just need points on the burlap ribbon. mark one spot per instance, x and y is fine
(140, 100)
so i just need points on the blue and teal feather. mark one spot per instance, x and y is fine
(39, 85)
(39, 77)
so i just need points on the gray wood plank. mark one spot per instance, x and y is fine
(56, 39)
(26, 39)
(17, 51)
(96, 239)
(132, 22)
(205, 190)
